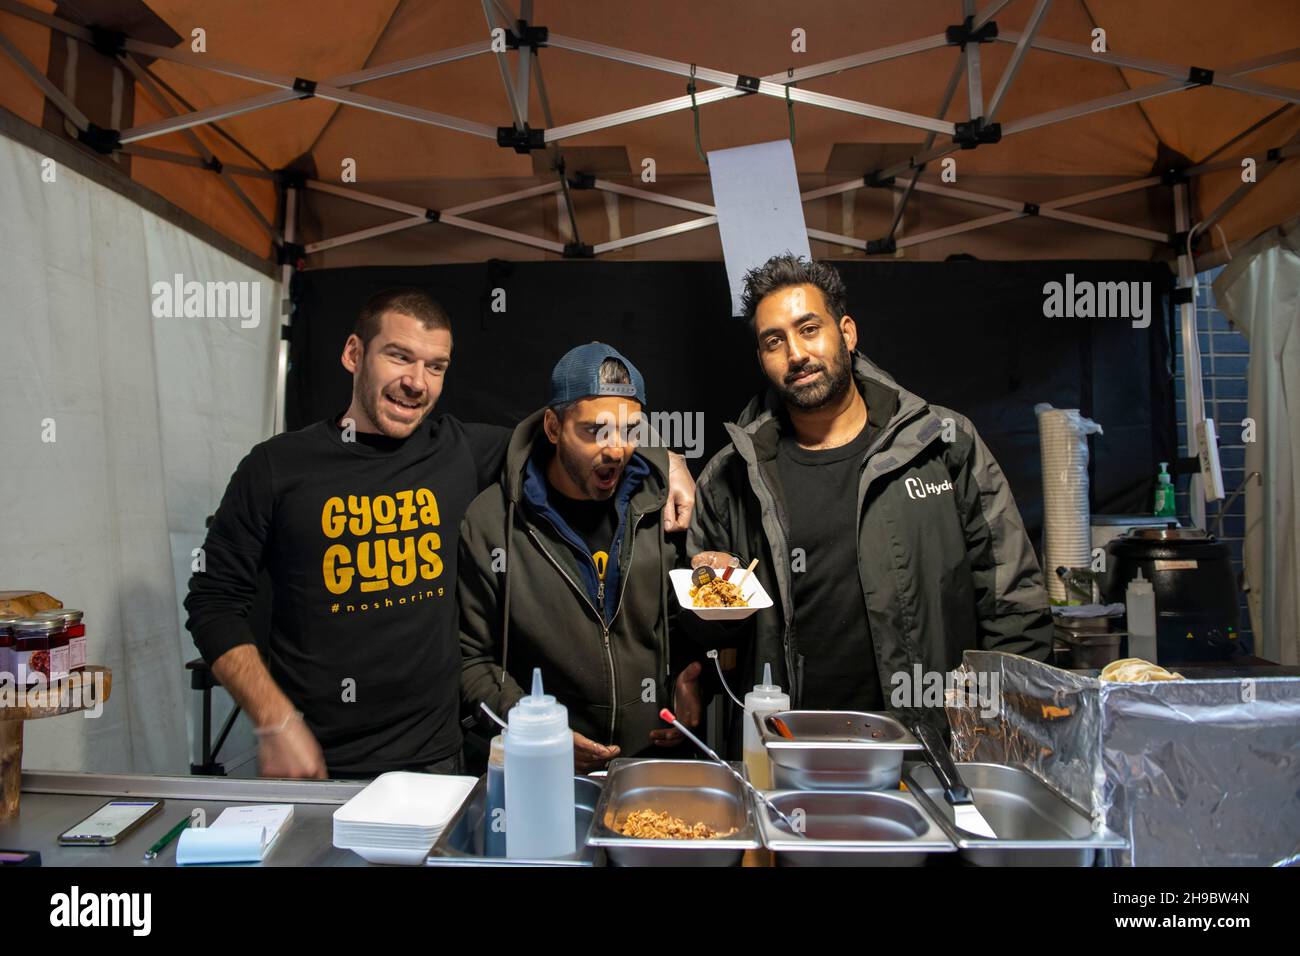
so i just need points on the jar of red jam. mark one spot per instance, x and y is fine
(74, 626)
(40, 650)
(7, 671)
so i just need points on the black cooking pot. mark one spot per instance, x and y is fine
(1195, 589)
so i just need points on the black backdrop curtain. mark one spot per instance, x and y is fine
(966, 334)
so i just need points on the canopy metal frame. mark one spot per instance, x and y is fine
(341, 89)
(981, 130)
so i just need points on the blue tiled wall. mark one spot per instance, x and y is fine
(1224, 358)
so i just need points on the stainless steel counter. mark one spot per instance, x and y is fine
(54, 802)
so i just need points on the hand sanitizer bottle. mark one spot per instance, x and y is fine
(1165, 503)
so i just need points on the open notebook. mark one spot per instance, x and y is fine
(239, 835)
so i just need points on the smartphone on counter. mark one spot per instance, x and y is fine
(19, 858)
(107, 825)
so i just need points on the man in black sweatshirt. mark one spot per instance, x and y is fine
(356, 519)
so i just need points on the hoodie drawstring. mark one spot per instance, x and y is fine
(663, 609)
(505, 602)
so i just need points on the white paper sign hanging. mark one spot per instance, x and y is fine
(756, 192)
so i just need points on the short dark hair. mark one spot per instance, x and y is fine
(785, 270)
(612, 372)
(407, 300)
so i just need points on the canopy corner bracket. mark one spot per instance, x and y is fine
(527, 35)
(521, 140)
(976, 132)
(960, 34)
(103, 141)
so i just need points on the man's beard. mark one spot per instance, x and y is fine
(370, 399)
(580, 472)
(837, 378)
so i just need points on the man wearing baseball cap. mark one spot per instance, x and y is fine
(564, 566)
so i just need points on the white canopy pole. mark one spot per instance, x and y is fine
(286, 309)
(1193, 393)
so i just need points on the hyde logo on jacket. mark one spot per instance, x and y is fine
(916, 488)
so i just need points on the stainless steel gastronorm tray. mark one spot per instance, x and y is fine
(1036, 826)
(836, 750)
(697, 791)
(462, 842)
(851, 828)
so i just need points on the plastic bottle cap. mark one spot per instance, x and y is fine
(537, 714)
(767, 687)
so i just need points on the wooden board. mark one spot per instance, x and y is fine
(81, 691)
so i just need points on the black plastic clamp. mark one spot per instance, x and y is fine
(288, 253)
(291, 178)
(101, 140)
(215, 165)
(433, 215)
(1273, 155)
(108, 42)
(583, 181)
(1173, 177)
(521, 141)
(1178, 241)
(1182, 295)
(304, 87)
(976, 132)
(876, 181)
(880, 247)
(1200, 76)
(1030, 209)
(578, 250)
(748, 84)
(963, 33)
(525, 34)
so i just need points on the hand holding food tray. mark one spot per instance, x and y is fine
(719, 596)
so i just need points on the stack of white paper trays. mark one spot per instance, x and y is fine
(399, 816)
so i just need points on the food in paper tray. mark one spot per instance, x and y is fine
(660, 825)
(1134, 670)
(718, 593)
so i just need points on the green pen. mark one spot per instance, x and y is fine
(170, 835)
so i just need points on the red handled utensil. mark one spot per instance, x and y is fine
(667, 716)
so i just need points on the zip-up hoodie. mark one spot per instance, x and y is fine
(528, 597)
(944, 562)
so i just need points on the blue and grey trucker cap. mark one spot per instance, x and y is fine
(577, 375)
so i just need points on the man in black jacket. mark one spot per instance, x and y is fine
(885, 531)
(564, 566)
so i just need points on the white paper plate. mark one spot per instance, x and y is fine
(752, 591)
(391, 857)
(346, 841)
(403, 799)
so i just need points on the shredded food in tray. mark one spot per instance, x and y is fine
(659, 825)
(718, 593)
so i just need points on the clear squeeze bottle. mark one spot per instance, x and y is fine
(765, 698)
(539, 777)
(1140, 607)
(494, 829)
